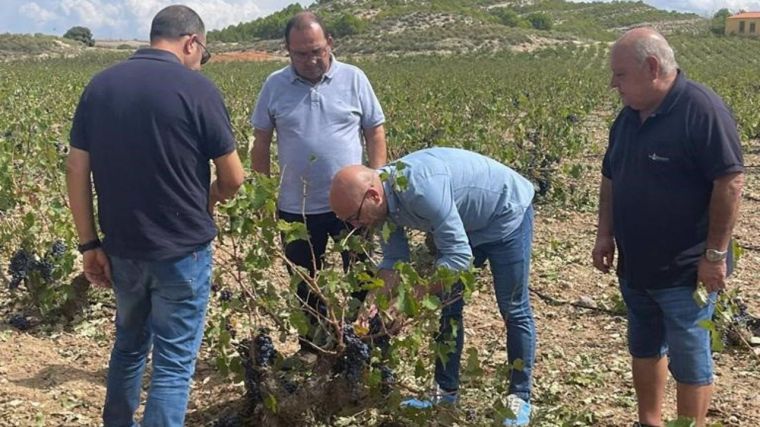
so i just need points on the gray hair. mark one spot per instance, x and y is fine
(652, 44)
(175, 21)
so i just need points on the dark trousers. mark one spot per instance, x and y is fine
(311, 254)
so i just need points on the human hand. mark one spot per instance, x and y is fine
(712, 274)
(97, 267)
(603, 254)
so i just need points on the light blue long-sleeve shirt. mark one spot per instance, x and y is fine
(463, 198)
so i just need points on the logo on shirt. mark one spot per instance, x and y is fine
(655, 158)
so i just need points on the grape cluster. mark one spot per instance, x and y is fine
(57, 249)
(288, 384)
(264, 349)
(19, 267)
(45, 267)
(742, 317)
(231, 329)
(380, 338)
(232, 420)
(225, 295)
(387, 380)
(19, 321)
(355, 356)
(742, 320)
(252, 375)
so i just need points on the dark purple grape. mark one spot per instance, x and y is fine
(58, 249)
(232, 420)
(19, 321)
(289, 385)
(387, 380)
(45, 268)
(355, 356)
(264, 350)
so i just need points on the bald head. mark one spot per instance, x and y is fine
(356, 195)
(646, 42)
(302, 21)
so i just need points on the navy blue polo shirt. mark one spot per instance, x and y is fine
(151, 125)
(662, 174)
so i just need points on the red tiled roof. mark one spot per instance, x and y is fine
(746, 15)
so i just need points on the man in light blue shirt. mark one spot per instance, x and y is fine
(323, 110)
(476, 209)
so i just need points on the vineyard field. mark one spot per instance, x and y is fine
(546, 113)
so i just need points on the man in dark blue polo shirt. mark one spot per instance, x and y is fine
(672, 179)
(145, 130)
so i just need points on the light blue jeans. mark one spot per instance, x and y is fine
(509, 259)
(162, 303)
(667, 322)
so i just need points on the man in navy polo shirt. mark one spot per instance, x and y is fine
(323, 111)
(146, 129)
(672, 180)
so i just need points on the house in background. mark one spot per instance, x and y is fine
(744, 24)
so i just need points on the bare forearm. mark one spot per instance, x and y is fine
(724, 210)
(80, 203)
(377, 152)
(604, 224)
(260, 153)
(221, 193)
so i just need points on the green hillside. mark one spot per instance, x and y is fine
(461, 26)
(13, 45)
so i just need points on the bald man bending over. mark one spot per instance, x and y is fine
(477, 209)
(672, 179)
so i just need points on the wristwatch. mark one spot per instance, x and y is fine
(714, 255)
(92, 244)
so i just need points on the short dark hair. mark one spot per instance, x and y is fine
(175, 21)
(302, 21)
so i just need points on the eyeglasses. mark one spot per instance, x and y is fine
(358, 214)
(303, 56)
(206, 55)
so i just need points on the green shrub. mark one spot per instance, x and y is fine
(80, 34)
(540, 21)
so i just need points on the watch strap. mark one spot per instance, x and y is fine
(92, 244)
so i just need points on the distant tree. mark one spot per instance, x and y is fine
(346, 25)
(80, 34)
(540, 21)
(269, 27)
(718, 23)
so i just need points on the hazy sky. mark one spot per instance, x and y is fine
(129, 19)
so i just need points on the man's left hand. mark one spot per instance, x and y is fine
(712, 274)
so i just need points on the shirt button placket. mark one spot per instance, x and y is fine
(314, 96)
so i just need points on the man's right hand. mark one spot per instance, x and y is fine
(97, 268)
(603, 254)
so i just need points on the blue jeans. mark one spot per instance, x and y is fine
(162, 303)
(666, 322)
(509, 259)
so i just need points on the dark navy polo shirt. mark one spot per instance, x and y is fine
(151, 125)
(662, 174)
